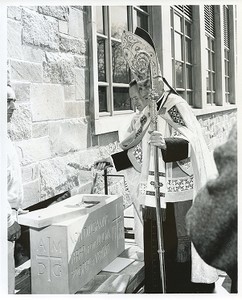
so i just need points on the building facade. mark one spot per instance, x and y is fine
(71, 82)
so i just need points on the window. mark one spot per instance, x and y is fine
(226, 51)
(209, 18)
(113, 72)
(181, 44)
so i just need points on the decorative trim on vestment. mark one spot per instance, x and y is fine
(151, 193)
(180, 184)
(186, 165)
(143, 120)
(159, 173)
(138, 153)
(176, 116)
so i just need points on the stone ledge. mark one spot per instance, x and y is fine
(213, 109)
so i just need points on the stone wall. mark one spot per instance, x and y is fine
(216, 127)
(48, 67)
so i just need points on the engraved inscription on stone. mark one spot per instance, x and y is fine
(67, 254)
(49, 258)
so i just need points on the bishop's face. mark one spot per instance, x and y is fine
(137, 100)
(144, 88)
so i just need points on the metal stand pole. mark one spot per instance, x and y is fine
(160, 237)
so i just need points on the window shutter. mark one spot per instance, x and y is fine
(209, 17)
(185, 9)
(226, 26)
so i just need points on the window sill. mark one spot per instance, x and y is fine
(213, 109)
(106, 124)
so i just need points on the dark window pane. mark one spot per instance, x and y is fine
(213, 62)
(189, 98)
(102, 93)
(188, 51)
(210, 67)
(226, 54)
(226, 84)
(208, 42)
(213, 82)
(119, 20)
(120, 68)
(207, 60)
(121, 99)
(188, 29)
(212, 97)
(180, 93)
(179, 74)
(208, 81)
(99, 19)
(172, 21)
(226, 63)
(213, 45)
(189, 77)
(209, 100)
(142, 21)
(145, 8)
(101, 59)
(172, 47)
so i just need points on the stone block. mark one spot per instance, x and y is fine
(21, 123)
(81, 85)
(75, 109)
(58, 12)
(40, 129)
(84, 234)
(76, 23)
(59, 68)
(14, 44)
(66, 172)
(34, 150)
(31, 54)
(63, 27)
(32, 7)
(14, 12)
(48, 102)
(31, 192)
(30, 173)
(25, 71)
(69, 91)
(39, 30)
(78, 7)
(80, 61)
(22, 91)
(67, 136)
(73, 45)
(57, 176)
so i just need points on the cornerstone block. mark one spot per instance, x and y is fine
(66, 254)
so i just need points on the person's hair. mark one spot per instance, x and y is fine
(132, 82)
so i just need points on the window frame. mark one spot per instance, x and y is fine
(111, 120)
(226, 44)
(210, 51)
(185, 90)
